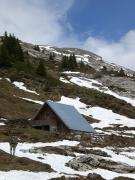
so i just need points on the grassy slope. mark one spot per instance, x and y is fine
(8, 163)
(13, 107)
(50, 88)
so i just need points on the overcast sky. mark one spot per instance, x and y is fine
(106, 27)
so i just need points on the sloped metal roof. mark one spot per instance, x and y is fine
(70, 117)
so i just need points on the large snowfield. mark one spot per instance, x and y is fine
(94, 84)
(57, 162)
(106, 117)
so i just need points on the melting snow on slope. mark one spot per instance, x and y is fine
(70, 72)
(57, 162)
(106, 117)
(84, 82)
(64, 80)
(21, 86)
(80, 58)
(93, 84)
(6, 79)
(118, 157)
(31, 100)
(2, 124)
(25, 175)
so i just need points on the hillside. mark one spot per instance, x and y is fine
(104, 93)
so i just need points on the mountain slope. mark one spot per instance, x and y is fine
(100, 93)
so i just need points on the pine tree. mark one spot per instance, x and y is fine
(121, 72)
(41, 70)
(11, 50)
(72, 62)
(51, 56)
(65, 63)
(4, 57)
(5, 34)
(36, 47)
(104, 69)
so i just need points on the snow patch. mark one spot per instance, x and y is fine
(90, 83)
(8, 80)
(70, 72)
(64, 80)
(21, 86)
(31, 100)
(2, 124)
(25, 175)
(105, 116)
(117, 157)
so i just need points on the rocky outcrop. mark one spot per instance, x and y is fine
(91, 161)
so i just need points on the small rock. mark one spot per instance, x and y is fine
(95, 176)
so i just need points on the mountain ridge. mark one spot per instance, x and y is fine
(80, 53)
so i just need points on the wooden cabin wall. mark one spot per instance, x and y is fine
(47, 117)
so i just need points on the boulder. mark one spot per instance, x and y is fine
(95, 176)
(91, 161)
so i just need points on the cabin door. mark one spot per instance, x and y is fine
(46, 128)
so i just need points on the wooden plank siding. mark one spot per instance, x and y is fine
(46, 117)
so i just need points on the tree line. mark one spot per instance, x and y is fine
(69, 62)
(12, 55)
(10, 51)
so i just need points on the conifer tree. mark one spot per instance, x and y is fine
(72, 62)
(121, 72)
(36, 47)
(104, 69)
(51, 56)
(4, 57)
(65, 63)
(11, 51)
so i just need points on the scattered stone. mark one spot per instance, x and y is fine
(77, 137)
(40, 158)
